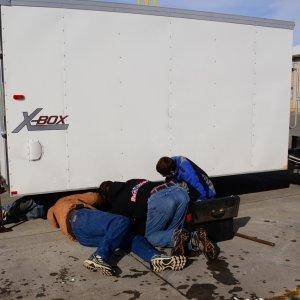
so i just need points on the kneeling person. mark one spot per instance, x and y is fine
(181, 169)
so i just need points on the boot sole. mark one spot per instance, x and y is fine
(97, 268)
(175, 263)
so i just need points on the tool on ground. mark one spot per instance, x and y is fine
(254, 239)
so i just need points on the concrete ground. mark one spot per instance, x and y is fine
(36, 261)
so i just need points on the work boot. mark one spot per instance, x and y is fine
(201, 244)
(95, 263)
(180, 238)
(162, 262)
(194, 245)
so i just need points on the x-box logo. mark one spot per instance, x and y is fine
(53, 122)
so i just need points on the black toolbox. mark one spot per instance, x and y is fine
(215, 215)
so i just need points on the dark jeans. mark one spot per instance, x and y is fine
(107, 232)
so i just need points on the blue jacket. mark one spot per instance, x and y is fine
(190, 173)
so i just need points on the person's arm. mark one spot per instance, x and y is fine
(91, 199)
(187, 173)
(205, 180)
(51, 218)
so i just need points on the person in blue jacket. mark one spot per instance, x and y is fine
(181, 169)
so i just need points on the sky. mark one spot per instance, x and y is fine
(274, 9)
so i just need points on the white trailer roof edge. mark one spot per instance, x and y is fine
(151, 10)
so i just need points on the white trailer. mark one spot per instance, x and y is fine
(95, 91)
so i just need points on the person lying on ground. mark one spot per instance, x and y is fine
(79, 220)
(27, 208)
(181, 169)
(158, 211)
(30, 207)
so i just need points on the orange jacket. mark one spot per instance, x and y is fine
(57, 215)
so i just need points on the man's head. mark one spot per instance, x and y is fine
(104, 189)
(166, 166)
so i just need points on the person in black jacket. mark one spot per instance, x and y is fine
(158, 211)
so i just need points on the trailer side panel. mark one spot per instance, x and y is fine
(129, 88)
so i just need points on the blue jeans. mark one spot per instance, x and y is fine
(107, 232)
(166, 212)
(139, 245)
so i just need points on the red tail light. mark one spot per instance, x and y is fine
(19, 97)
(189, 218)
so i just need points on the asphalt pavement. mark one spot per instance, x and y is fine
(37, 261)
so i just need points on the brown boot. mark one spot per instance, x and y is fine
(180, 238)
(209, 249)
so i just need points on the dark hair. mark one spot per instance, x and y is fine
(165, 166)
(104, 188)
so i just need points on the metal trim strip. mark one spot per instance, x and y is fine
(148, 10)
